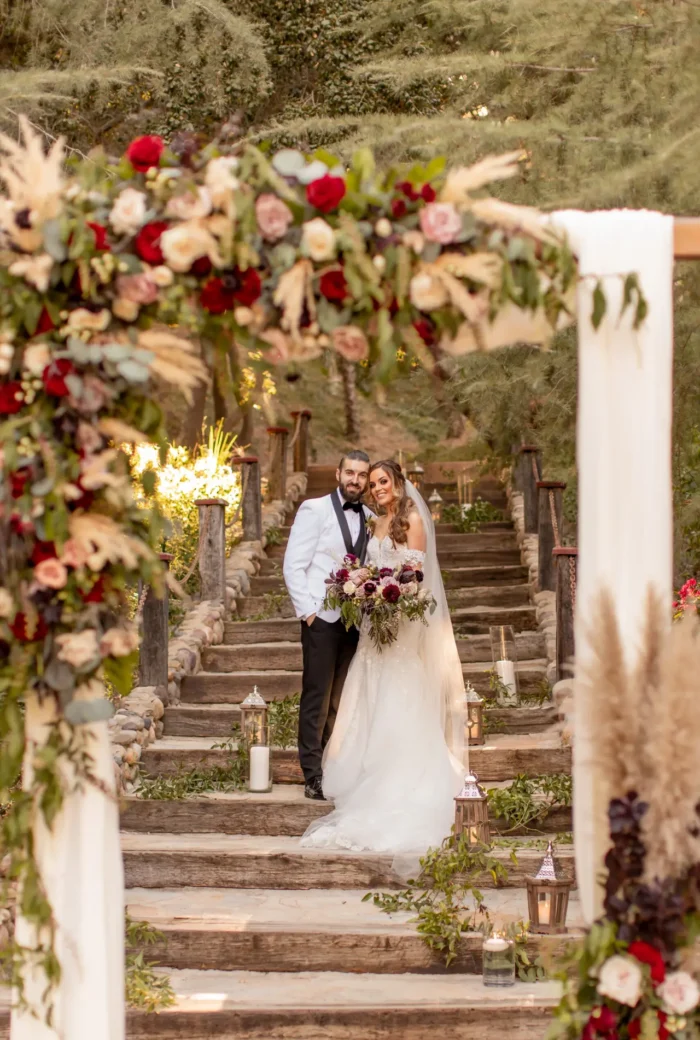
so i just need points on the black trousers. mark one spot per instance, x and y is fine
(327, 652)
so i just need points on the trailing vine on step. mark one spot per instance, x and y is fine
(272, 604)
(470, 521)
(230, 777)
(145, 988)
(527, 801)
(284, 722)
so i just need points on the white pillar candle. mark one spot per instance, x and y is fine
(506, 673)
(496, 944)
(544, 907)
(259, 768)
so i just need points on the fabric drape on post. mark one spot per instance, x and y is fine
(624, 469)
(81, 867)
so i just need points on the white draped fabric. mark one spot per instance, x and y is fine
(624, 467)
(81, 867)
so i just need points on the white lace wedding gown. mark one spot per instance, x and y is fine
(387, 766)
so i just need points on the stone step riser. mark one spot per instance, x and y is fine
(450, 557)
(499, 595)
(254, 606)
(478, 622)
(193, 869)
(272, 580)
(258, 818)
(492, 764)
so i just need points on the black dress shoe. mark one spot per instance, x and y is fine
(314, 789)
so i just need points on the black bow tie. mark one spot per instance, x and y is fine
(355, 506)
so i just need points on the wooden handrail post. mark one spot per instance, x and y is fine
(153, 654)
(251, 506)
(530, 473)
(277, 481)
(301, 444)
(550, 506)
(212, 548)
(566, 565)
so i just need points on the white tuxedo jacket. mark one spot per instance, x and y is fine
(315, 548)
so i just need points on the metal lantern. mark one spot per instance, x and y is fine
(255, 734)
(472, 813)
(435, 504)
(505, 663)
(548, 896)
(474, 716)
(416, 474)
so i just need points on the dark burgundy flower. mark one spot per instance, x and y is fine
(385, 572)
(215, 298)
(342, 574)
(418, 576)
(18, 481)
(391, 593)
(407, 575)
(370, 588)
(96, 593)
(201, 267)
(326, 193)
(428, 193)
(645, 953)
(55, 377)
(333, 286)
(144, 153)
(20, 629)
(147, 242)
(603, 1020)
(85, 501)
(11, 398)
(45, 324)
(398, 208)
(249, 286)
(408, 190)
(100, 233)
(426, 330)
(350, 558)
(43, 551)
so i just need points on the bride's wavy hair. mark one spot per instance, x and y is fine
(400, 522)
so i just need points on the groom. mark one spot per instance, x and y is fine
(325, 529)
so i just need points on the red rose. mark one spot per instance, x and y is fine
(326, 193)
(426, 330)
(248, 288)
(45, 324)
(215, 298)
(55, 377)
(18, 479)
(201, 267)
(147, 242)
(20, 629)
(408, 190)
(11, 398)
(333, 286)
(645, 953)
(603, 1020)
(342, 574)
(398, 208)
(370, 588)
(43, 551)
(428, 193)
(144, 153)
(391, 593)
(635, 1028)
(100, 233)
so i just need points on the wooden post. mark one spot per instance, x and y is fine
(212, 553)
(301, 444)
(251, 507)
(277, 482)
(551, 493)
(530, 472)
(153, 655)
(566, 563)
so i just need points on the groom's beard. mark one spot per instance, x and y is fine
(350, 494)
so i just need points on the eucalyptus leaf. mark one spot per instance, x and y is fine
(133, 371)
(283, 256)
(116, 351)
(74, 384)
(78, 713)
(53, 244)
(313, 172)
(288, 162)
(60, 676)
(42, 487)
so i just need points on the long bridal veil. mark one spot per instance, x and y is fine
(439, 649)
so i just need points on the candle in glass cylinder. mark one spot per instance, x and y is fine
(498, 961)
(544, 907)
(506, 673)
(259, 768)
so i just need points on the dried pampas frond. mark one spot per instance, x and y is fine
(120, 432)
(34, 182)
(671, 728)
(646, 683)
(484, 268)
(104, 541)
(461, 183)
(525, 219)
(175, 360)
(292, 292)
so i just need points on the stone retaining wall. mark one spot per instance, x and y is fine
(138, 720)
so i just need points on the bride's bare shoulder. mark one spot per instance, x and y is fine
(415, 535)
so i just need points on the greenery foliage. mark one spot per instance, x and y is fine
(470, 521)
(527, 801)
(145, 988)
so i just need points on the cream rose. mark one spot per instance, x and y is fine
(119, 642)
(162, 276)
(414, 240)
(221, 181)
(125, 310)
(128, 213)
(6, 603)
(34, 269)
(36, 358)
(621, 979)
(349, 588)
(51, 573)
(138, 288)
(189, 205)
(273, 217)
(318, 239)
(427, 293)
(350, 342)
(679, 992)
(440, 222)
(383, 227)
(78, 648)
(184, 244)
(82, 319)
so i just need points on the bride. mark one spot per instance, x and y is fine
(396, 758)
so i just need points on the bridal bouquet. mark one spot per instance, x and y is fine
(382, 596)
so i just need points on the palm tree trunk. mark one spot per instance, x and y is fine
(352, 418)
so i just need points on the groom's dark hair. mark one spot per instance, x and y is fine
(356, 454)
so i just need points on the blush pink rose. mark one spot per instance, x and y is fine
(351, 343)
(137, 288)
(74, 554)
(273, 216)
(440, 222)
(278, 354)
(51, 573)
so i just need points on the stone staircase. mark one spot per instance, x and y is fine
(263, 938)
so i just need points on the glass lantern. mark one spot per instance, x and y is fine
(548, 896)
(473, 717)
(416, 474)
(505, 663)
(435, 504)
(498, 954)
(472, 813)
(255, 737)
